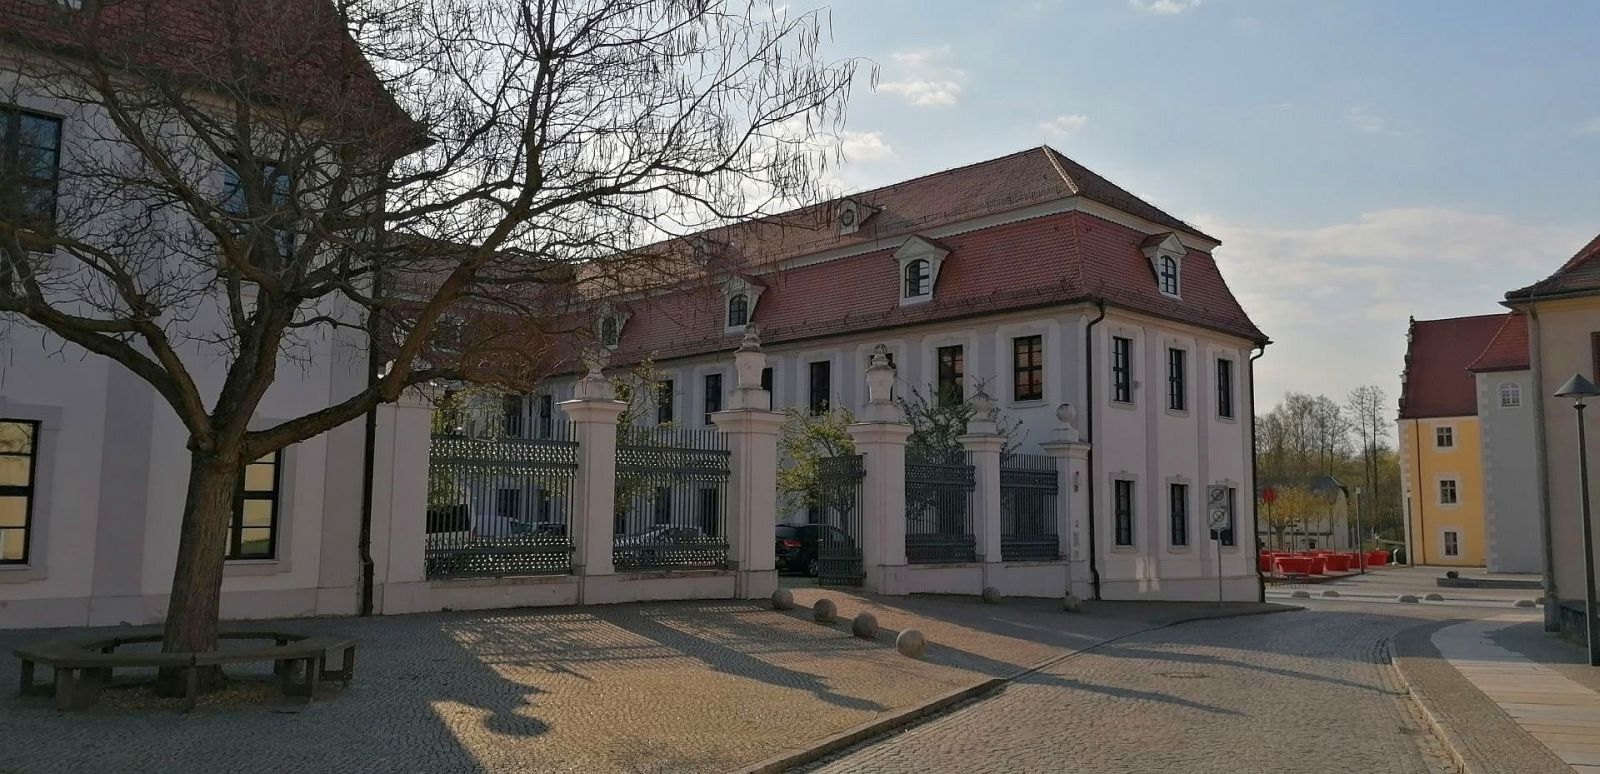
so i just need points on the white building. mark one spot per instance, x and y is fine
(1509, 447)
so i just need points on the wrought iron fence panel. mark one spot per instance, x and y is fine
(671, 507)
(837, 514)
(500, 506)
(1028, 509)
(939, 526)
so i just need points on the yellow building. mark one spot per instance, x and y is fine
(1441, 465)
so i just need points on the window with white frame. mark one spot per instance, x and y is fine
(253, 530)
(30, 160)
(1510, 395)
(1444, 437)
(919, 260)
(916, 279)
(19, 449)
(1165, 253)
(1169, 275)
(1452, 543)
(1447, 491)
(1123, 511)
(610, 331)
(738, 310)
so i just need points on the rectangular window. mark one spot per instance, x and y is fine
(1510, 395)
(821, 386)
(1121, 369)
(664, 396)
(236, 202)
(1124, 512)
(952, 376)
(1177, 380)
(547, 416)
(766, 382)
(542, 504)
(30, 165)
(1225, 388)
(511, 406)
(662, 508)
(253, 531)
(713, 396)
(1452, 543)
(1447, 492)
(1444, 437)
(1027, 368)
(19, 449)
(1178, 512)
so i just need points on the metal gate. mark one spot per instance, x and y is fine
(939, 510)
(836, 517)
(1028, 509)
(500, 507)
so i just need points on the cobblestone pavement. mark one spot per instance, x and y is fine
(672, 687)
(1306, 692)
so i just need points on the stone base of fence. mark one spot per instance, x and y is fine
(1235, 588)
(657, 586)
(1014, 579)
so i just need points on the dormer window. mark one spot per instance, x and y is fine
(610, 332)
(851, 214)
(1165, 252)
(919, 259)
(917, 279)
(738, 310)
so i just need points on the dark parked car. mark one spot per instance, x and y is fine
(797, 545)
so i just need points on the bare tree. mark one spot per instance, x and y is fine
(432, 185)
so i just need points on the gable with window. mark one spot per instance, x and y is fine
(919, 260)
(1165, 253)
(253, 530)
(740, 296)
(1510, 395)
(19, 464)
(30, 166)
(1027, 368)
(608, 328)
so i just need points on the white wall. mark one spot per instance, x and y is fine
(1510, 474)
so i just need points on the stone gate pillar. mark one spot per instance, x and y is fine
(594, 410)
(983, 442)
(751, 519)
(880, 439)
(1072, 499)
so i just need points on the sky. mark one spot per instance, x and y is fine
(1361, 161)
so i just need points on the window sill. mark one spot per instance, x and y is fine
(1124, 405)
(1124, 549)
(1027, 403)
(915, 300)
(1172, 412)
(20, 573)
(246, 568)
(734, 330)
(1180, 549)
(1228, 420)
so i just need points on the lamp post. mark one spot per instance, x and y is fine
(1578, 389)
(1361, 550)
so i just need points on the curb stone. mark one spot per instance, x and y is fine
(850, 737)
(1443, 731)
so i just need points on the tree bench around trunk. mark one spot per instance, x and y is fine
(83, 666)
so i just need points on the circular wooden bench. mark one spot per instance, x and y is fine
(83, 666)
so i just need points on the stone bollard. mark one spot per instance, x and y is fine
(1435, 597)
(991, 595)
(1525, 603)
(911, 643)
(1330, 593)
(824, 611)
(783, 599)
(1071, 604)
(1301, 595)
(1539, 601)
(1407, 598)
(865, 626)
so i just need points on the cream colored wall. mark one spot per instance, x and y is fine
(1563, 332)
(1422, 470)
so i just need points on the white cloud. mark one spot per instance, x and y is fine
(924, 79)
(1166, 7)
(1591, 126)
(865, 146)
(1365, 121)
(1064, 123)
(1335, 297)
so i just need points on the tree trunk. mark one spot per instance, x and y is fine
(196, 597)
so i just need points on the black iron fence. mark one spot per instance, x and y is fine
(836, 510)
(671, 500)
(1028, 508)
(500, 506)
(939, 524)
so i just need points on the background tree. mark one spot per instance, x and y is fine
(806, 440)
(430, 182)
(1307, 436)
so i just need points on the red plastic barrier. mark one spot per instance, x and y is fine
(1294, 565)
(1337, 562)
(1319, 565)
(1264, 562)
(1378, 558)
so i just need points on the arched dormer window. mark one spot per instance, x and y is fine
(738, 310)
(610, 335)
(1169, 275)
(916, 278)
(1510, 395)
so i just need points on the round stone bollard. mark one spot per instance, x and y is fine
(865, 626)
(1071, 604)
(783, 599)
(1408, 598)
(1525, 603)
(1301, 595)
(1330, 593)
(824, 611)
(1435, 597)
(911, 643)
(991, 595)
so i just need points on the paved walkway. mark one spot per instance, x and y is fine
(1560, 713)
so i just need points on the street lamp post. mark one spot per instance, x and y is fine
(1578, 389)
(1361, 550)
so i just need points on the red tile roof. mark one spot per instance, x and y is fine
(1580, 275)
(1436, 381)
(1508, 350)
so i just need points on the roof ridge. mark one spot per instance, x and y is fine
(1050, 155)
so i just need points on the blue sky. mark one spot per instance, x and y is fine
(1361, 161)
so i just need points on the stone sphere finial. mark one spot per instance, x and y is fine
(982, 404)
(751, 341)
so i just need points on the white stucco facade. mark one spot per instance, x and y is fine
(1510, 471)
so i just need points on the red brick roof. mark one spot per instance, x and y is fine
(1436, 382)
(1508, 350)
(1580, 275)
(294, 52)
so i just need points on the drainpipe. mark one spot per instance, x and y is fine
(1255, 547)
(1088, 370)
(369, 447)
(1552, 606)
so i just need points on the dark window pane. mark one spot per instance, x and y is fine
(1179, 511)
(1027, 366)
(713, 395)
(766, 380)
(952, 375)
(738, 310)
(1121, 369)
(1177, 379)
(1124, 512)
(1225, 388)
(821, 386)
(18, 469)
(664, 400)
(253, 528)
